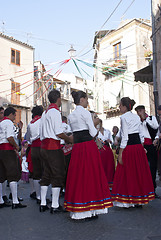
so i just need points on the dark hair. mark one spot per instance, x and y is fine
(115, 127)
(139, 107)
(78, 95)
(37, 110)
(53, 96)
(1, 108)
(8, 111)
(128, 103)
(159, 108)
(64, 118)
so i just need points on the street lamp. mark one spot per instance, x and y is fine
(72, 51)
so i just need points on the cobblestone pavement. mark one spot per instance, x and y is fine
(119, 224)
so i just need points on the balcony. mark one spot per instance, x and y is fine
(115, 66)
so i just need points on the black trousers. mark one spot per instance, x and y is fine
(10, 168)
(37, 163)
(153, 161)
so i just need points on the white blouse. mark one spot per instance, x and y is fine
(81, 119)
(7, 129)
(130, 123)
(51, 124)
(106, 135)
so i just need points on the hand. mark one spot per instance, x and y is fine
(145, 150)
(71, 140)
(155, 142)
(20, 124)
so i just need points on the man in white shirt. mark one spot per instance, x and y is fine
(157, 141)
(51, 132)
(150, 128)
(33, 136)
(9, 169)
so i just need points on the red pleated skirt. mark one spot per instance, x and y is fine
(86, 187)
(108, 163)
(132, 181)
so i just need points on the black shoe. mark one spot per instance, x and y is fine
(2, 205)
(59, 209)
(91, 218)
(48, 201)
(43, 208)
(33, 195)
(18, 205)
(157, 196)
(5, 199)
(138, 206)
(38, 201)
(19, 198)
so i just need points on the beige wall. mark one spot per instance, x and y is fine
(13, 71)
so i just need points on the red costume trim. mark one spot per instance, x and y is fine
(35, 119)
(148, 141)
(50, 144)
(52, 105)
(36, 143)
(6, 146)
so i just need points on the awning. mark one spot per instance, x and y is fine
(144, 74)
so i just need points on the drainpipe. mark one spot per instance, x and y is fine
(155, 89)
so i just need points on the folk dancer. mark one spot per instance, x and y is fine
(52, 155)
(150, 129)
(133, 184)
(87, 192)
(9, 168)
(33, 133)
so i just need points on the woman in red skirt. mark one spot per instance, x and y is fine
(133, 184)
(107, 154)
(87, 192)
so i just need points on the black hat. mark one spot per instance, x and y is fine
(139, 107)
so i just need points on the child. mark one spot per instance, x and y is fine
(25, 171)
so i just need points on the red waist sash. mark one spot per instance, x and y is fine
(148, 141)
(6, 146)
(36, 143)
(50, 144)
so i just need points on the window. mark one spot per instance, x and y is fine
(15, 93)
(117, 50)
(15, 57)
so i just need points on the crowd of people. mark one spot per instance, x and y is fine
(80, 159)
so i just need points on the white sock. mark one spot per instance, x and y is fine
(4, 184)
(1, 199)
(31, 181)
(37, 188)
(44, 190)
(13, 187)
(55, 197)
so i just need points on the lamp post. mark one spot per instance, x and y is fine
(72, 52)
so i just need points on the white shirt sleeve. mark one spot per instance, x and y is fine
(10, 130)
(56, 122)
(124, 133)
(90, 124)
(153, 122)
(141, 133)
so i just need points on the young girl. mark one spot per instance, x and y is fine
(25, 171)
(87, 191)
(133, 184)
